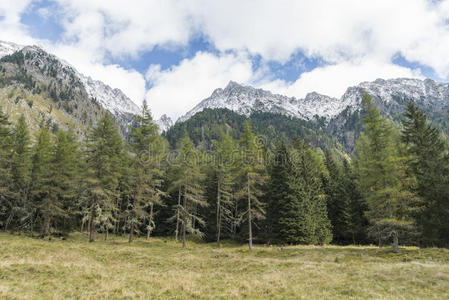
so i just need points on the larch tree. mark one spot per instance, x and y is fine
(225, 172)
(253, 177)
(8, 197)
(189, 182)
(380, 176)
(104, 149)
(21, 209)
(45, 203)
(148, 149)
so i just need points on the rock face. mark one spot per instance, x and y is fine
(164, 123)
(42, 75)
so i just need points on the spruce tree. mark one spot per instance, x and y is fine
(357, 222)
(429, 164)
(284, 214)
(315, 224)
(338, 200)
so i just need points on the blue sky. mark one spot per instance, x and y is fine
(175, 53)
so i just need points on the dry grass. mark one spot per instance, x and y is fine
(160, 269)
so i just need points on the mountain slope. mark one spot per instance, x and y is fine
(340, 117)
(62, 95)
(205, 127)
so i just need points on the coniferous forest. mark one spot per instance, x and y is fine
(278, 190)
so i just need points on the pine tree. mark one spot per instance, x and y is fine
(429, 164)
(104, 148)
(380, 176)
(253, 177)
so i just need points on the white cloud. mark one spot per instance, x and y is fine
(358, 39)
(333, 80)
(10, 27)
(178, 89)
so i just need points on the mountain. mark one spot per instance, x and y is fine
(164, 123)
(339, 117)
(246, 99)
(42, 86)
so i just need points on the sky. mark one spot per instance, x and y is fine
(175, 53)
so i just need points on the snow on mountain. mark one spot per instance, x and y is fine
(246, 99)
(114, 100)
(111, 99)
(7, 48)
(164, 123)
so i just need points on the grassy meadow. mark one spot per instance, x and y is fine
(160, 269)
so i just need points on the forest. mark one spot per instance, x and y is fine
(392, 190)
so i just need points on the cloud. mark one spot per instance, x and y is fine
(355, 39)
(333, 80)
(177, 89)
(10, 27)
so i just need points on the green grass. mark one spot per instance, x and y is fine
(161, 269)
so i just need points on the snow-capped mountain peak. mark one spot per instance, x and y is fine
(246, 99)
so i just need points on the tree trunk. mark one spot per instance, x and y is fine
(218, 214)
(184, 221)
(395, 243)
(92, 221)
(82, 226)
(250, 231)
(45, 226)
(131, 232)
(177, 215)
(150, 225)
(106, 232)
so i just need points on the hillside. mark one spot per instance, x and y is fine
(48, 90)
(205, 126)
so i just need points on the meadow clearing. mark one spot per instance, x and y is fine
(160, 269)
